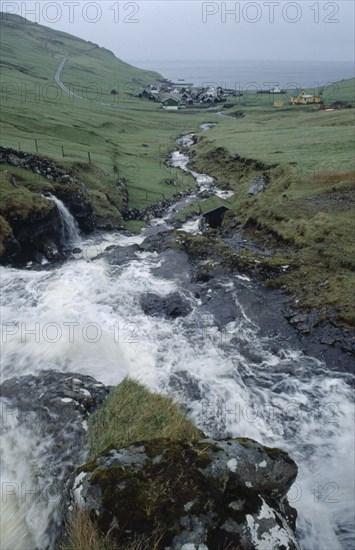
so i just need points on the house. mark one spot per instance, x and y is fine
(213, 210)
(171, 103)
(184, 95)
(304, 99)
(275, 90)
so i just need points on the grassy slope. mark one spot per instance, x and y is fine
(117, 130)
(309, 202)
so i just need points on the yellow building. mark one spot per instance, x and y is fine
(304, 99)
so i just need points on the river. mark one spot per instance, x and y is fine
(226, 361)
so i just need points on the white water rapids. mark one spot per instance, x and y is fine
(70, 234)
(85, 317)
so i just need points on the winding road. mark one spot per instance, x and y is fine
(60, 84)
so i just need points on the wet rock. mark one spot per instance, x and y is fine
(205, 194)
(208, 494)
(159, 242)
(323, 338)
(171, 306)
(53, 407)
(39, 258)
(174, 264)
(156, 210)
(50, 250)
(120, 255)
(183, 382)
(42, 397)
(220, 303)
(36, 234)
(304, 322)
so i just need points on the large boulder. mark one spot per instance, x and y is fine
(51, 411)
(171, 306)
(32, 231)
(159, 242)
(210, 494)
(119, 255)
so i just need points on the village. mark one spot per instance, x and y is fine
(174, 96)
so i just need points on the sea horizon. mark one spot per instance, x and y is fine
(239, 74)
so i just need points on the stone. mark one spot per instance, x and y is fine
(53, 407)
(14, 160)
(120, 255)
(228, 493)
(171, 306)
(159, 242)
(258, 185)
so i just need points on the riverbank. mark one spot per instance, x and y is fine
(249, 246)
(304, 220)
(233, 255)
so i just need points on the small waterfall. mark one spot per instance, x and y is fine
(70, 234)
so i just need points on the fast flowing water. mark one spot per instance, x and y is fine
(70, 234)
(237, 379)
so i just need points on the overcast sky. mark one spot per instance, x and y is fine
(194, 30)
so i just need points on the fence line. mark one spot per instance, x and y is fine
(38, 148)
(50, 148)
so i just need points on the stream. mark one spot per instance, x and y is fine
(227, 361)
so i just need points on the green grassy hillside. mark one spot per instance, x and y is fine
(126, 137)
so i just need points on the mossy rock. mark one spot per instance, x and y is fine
(198, 492)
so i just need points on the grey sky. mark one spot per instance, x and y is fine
(186, 30)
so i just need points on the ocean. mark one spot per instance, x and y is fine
(252, 74)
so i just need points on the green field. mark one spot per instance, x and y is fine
(126, 137)
(315, 140)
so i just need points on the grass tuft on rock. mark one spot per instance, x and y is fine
(82, 534)
(132, 413)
